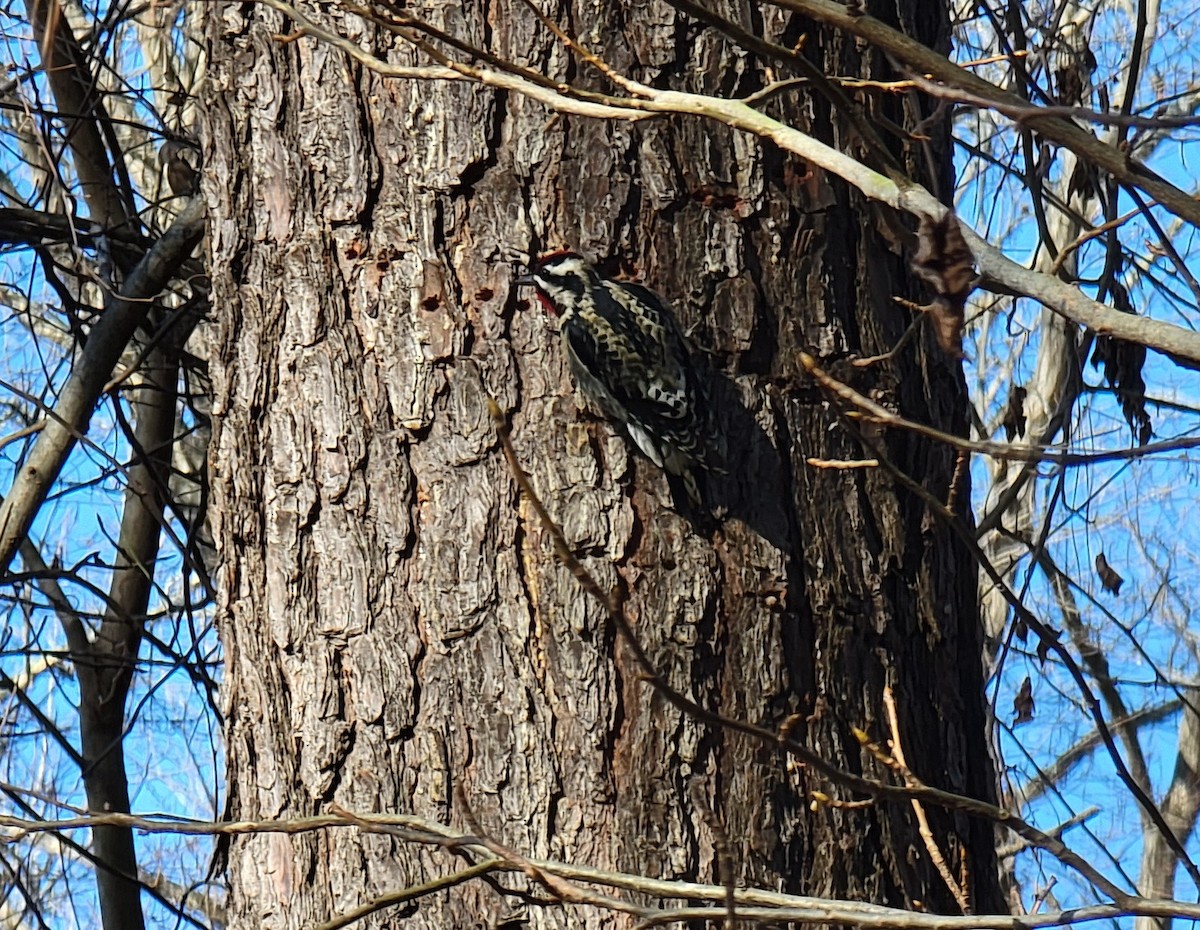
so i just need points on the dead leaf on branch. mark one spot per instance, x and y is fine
(1109, 579)
(1014, 413)
(182, 161)
(1048, 637)
(1023, 705)
(1073, 77)
(1085, 179)
(1123, 363)
(944, 261)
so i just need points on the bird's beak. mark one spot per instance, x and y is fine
(525, 280)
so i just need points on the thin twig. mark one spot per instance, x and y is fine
(411, 893)
(1012, 452)
(931, 846)
(721, 850)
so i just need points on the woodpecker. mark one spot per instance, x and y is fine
(628, 356)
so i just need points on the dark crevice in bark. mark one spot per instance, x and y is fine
(476, 170)
(520, 541)
(627, 221)
(760, 356)
(372, 188)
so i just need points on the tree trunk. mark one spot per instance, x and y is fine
(398, 632)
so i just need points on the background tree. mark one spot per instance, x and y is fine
(104, 297)
(1040, 378)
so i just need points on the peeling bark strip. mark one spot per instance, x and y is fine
(399, 636)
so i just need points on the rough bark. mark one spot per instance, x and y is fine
(395, 624)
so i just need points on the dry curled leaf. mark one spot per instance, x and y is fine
(1123, 363)
(1085, 179)
(1109, 579)
(182, 162)
(1070, 86)
(1014, 413)
(1023, 705)
(1073, 77)
(1047, 638)
(944, 261)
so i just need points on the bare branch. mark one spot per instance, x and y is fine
(1063, 131)
(800, 908)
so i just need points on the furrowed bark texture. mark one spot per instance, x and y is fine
(396, 625)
